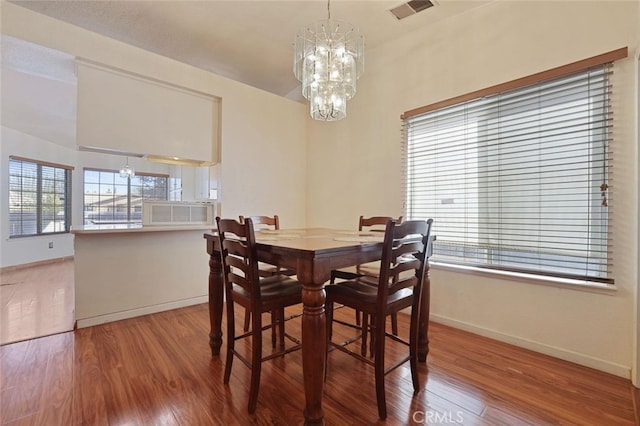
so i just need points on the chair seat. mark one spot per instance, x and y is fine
(363, 293)
(276, 287)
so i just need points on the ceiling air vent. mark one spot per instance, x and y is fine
(411, 8)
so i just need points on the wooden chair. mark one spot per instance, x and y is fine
(399, 286)
(244, 286)
(370, 224)
(271, 222)
(265, 269)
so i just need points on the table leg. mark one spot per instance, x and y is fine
(423, 330)
(216, 288)
(314, 348)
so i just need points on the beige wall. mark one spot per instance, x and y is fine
(354, 165)
(263, 167)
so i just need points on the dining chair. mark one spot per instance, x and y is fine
(265, 269)
(368, 224)
(267, 222)
(399, 286)
(244, 286)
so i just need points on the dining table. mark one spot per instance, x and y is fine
(313, 253)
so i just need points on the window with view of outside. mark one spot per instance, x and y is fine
(108, 197)
(39, 198)
(518, 180)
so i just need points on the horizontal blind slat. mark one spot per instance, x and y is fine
(516, 179)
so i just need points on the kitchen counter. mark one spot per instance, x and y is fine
(106, 228)
(127, 270)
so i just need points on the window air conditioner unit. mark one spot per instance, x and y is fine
(178, 213)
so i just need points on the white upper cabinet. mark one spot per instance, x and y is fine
(128, 113)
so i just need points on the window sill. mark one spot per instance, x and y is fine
(590, 286)
(47, 234)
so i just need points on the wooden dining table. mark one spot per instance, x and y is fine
(313, 253)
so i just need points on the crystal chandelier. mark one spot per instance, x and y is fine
(127, 171)
(328, 59)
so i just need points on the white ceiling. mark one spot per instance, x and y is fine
(247, 41)
(38, 87)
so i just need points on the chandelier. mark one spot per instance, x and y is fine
(328, 59)
(127, 171)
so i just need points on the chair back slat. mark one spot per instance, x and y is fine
(408, 246)
(237, 242)
(237, 262)
(405, 249)
(402, 265)
(263, 222)
(375, 223)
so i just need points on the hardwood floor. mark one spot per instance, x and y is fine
(36, 301)
(158, 369)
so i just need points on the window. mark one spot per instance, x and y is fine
(39, 197)
(517, 179)
(108, 197)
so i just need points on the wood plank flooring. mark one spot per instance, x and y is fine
(36, 301)
(158, 370)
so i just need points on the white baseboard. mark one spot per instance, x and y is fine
(567, 355)
(12, 268)
(117, 316)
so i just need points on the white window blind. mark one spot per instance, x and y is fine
(39, 197)
(518, 180)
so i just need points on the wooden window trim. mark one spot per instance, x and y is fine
(41, 163)
(524, 81)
